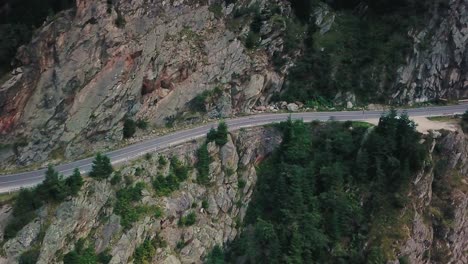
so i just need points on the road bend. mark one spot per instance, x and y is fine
(12, 182)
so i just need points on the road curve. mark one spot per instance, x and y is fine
(11, 182)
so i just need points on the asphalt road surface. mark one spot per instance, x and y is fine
(12, 182)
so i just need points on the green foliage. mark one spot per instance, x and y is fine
(203, 165)
(148, 156)
(179, 169)
(24, 210)
(464, 121)
(220, 135)
(125, 204)
(319, 196)
(241, 184)
(198, 103)
(142, 124)
(165, 185)
(102, 167)
(116, 179)
(129, 128)
(216, 9)
(178, 173)
(216, 256)
(30, 256)
(162, 161)
(252, 40)
(53, 189)
(144, 252)
(359, 54)
(188, 220)
(74, 182)
(104, 257)
(205, 205)
(81, 255)
(302, 8)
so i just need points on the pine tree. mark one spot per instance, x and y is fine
(222, 134)
(203, 164)
(102, 167)
(53, 187)
(74, 182)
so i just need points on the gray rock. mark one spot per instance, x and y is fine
(293, 107)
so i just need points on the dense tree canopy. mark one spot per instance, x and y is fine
(319, 196)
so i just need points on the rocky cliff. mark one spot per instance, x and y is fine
(219, 207)
(439, 199)
(437, 67)
(89, 68)
(436, 230)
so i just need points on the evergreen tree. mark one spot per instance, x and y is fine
(222, 134)
(74, 182)
(129, 128)
(203, 164)
(53, 187)
(216, 256)
(102, 167)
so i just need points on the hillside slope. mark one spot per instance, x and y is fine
(88, 69)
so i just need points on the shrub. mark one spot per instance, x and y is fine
(162, 161)
(116, 179)
(252, 40)
(216, 256)
(179, 169)
(124, 206)
(81, 255)
(205, 205)
(30, 256)
(129, 128)
(216, 9)
(165, 185)
(241, 184)
(188, 220)
(142, 124)
(102, 167)
(198, 103)
(104, 257)
(148, 156)
(144, 253)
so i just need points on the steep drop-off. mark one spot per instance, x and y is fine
(167, 224)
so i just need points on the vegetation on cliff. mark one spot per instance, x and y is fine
(328, 191)
(54, 189)
(360, 53)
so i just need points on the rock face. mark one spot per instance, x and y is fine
(437, 68)
(87, 69)
(91, 215)
(439, 229)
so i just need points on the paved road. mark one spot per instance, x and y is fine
(26, 179)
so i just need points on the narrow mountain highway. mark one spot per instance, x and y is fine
(15, 181)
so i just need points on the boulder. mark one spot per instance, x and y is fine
(293, 107)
